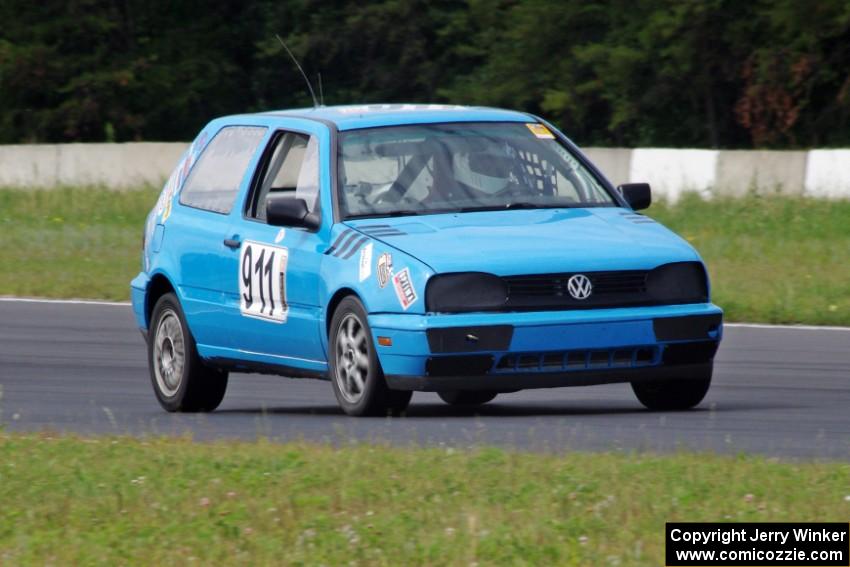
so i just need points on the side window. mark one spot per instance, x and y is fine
(214, 181)
(292, 168)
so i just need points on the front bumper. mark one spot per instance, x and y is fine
(510, 351)
(138, 293)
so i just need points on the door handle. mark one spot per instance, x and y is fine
(232, 243)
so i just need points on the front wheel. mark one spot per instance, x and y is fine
(466, 398)
(356, 374)
(181, 381)
(674, 394)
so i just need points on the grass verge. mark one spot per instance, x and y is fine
(109, 501)
(772, 259)
(72, 242)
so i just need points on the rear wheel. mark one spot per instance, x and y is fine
(466, 397)
(356, 375)
(674, 394)
(181, 381)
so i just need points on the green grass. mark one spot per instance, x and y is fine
(772, 259)
(72, 242)
(166, 501)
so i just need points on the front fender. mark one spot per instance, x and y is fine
(385, 279)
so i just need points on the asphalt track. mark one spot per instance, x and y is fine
(782, 392)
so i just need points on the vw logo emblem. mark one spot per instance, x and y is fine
(579, 286)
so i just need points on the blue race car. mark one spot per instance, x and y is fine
(400, 248)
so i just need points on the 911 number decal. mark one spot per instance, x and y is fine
(262, 281)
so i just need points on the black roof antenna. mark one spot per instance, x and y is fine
(321, 93)
(303, 74)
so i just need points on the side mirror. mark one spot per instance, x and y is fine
(637, 195)
(290, 211)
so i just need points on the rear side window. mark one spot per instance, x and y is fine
(214, 181)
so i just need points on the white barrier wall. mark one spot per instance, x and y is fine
(615, 163)
(672, 172)
(819, 173)
(828, 173)
(117, 166)
(816, 173)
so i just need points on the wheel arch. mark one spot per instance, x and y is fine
(158, 286)
(334, 302)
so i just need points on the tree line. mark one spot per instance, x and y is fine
(707, 73)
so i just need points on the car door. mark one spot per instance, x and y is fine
(277, 283)
(198, 225)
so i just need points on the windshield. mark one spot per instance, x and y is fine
(433, 168)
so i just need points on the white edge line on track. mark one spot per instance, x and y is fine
(65, 301)
(127, 304)
(792, 327)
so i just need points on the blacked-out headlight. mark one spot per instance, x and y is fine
(679, 282)
(466, 291)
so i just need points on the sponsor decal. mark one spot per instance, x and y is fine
(541, 131)
(167, 212)
(178, 176)
(262, 281)
(404, 289)
(163, 204)
(365, 262)
(384, 269)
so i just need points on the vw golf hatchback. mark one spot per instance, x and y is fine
(400, 248)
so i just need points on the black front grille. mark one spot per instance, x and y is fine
(550, 290)
(623, 357)
(668, 284)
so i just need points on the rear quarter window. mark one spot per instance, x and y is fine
(214, 181)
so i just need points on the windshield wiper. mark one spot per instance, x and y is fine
(401, 213)
(398, 213)
(504, 207)
(516, 205)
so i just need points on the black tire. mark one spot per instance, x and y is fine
(467, 397)
(186, 386)
(674, 394)
(353, 361)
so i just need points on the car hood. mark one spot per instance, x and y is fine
(532, 241)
